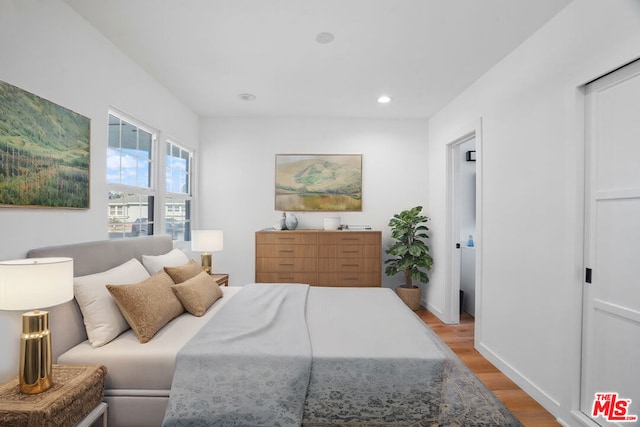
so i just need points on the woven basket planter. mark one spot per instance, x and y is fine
(410, 296)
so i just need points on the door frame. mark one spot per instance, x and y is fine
(451, 314)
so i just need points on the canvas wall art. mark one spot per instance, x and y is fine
(44, 152)
(318, 182)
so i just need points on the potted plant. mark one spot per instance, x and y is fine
(410, 254)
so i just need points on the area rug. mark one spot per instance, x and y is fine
(457, 398)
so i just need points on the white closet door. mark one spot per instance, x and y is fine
(611, 324)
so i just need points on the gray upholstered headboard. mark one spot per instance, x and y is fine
(65, 321)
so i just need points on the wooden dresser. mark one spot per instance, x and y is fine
(319, 257)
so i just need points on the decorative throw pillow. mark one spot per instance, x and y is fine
(198, 293)
(184, 272)
(148, 305)
(102, 318)
(155, 263)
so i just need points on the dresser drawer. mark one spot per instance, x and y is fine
(349, 238)
(349, 279)
(286, 251)
(274, 265)
(348, 265)
(319, 257)
(286, 238)
(284, 277)
(348, 251)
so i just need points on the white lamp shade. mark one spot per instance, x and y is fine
(206, 240)
(27, 284)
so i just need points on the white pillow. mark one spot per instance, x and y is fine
(102, 318)
(155, 263)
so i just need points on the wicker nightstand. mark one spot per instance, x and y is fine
(74, 399)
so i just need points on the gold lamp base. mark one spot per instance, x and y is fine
(35, 353)
(205, 260)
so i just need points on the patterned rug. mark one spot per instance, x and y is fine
(454, 398)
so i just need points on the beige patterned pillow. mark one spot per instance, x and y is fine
(184, 272)
(147, 306)
(198, 293)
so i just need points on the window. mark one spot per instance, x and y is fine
(116, 211)
(178, 178)
(130, 170)
(135, 186)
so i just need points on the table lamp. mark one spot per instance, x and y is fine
(24, 285)
(206, 241)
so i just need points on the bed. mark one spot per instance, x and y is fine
(346, 356)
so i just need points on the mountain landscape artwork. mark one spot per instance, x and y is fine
(44, 152)
(323, 182)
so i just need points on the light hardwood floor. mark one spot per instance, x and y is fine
(460, 339)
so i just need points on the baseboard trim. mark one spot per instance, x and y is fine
(583, 419)
(550, 404)
(434, 310)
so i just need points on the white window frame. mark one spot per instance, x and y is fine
(150, 191)
(179, 196)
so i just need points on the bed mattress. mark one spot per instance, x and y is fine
(311, 356)
(347, 322)
(342, 323)
(133, 366)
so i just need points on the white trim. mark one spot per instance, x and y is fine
(127, 118)
(578, 150)
(451, 314)
(528, 386)
(627, 193)
(452, 278)
(152, 189)
(479, 230)
(183, 197)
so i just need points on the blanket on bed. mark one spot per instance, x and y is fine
(256, 364)
(249, 365)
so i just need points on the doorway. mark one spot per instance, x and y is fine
(464, 225)
(466, 211)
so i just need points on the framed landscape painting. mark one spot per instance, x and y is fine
(44, 152)
(318, 182)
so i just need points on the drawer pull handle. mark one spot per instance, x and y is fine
(350, 252)
(350, 238)
(285, 238)
(286, 264)
(285, 277)
(286, 250)
(350, 265)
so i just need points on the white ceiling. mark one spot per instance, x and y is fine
(422, 53)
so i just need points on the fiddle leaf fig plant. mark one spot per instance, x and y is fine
(410, 254)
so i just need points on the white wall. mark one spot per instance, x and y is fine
(47, 49)
(237, 170)
(531, 110)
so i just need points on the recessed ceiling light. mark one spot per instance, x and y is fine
(324, 38)
(247, 97)
(384, 99)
